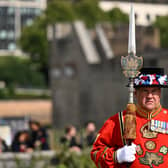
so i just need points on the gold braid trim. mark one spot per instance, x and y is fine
(115, 157)
(94, 155)
(99, 165)
(145, 114)
(120, 116)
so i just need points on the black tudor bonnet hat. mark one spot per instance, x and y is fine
(150, 76)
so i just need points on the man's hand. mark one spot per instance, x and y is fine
(126, 153)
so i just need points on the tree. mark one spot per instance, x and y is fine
(162, 24)
(117, 16)
(33, 39)
(90, 12)
(34, 42)
(26, 72)
(59, 11)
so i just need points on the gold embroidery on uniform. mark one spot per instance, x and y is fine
(139, 150)
(146, 133)
(114, 157)
(94, 155)
(150, 145)
(145, 114)
(99, 165)
(97, 137)
(165, 112)
(120, 117)
(163, 149)
(151, 159)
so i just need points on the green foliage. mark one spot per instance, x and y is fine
(90, 12)
(65, 158)
(27, 96)
(34, 41)
(162, 23)
(4, 94)
(117, 16)
(17, 71)
(68, 159)
(59, 11)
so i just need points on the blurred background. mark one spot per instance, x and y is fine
(60, 73)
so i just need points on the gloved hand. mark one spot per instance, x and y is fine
(126, 153)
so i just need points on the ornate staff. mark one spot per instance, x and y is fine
(131, 65)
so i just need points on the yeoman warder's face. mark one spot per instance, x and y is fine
(148, 98)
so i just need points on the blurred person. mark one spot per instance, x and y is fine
(3, 146)
(90, 133)
(39, 136)
(22, 142)
(70, 139)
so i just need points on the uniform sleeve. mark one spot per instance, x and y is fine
(104, 148)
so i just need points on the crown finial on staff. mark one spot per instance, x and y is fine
(131, 64)
(131, 38)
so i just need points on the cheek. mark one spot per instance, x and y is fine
(141, 99)
(157, 99)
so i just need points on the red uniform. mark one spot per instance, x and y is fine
(151, 141)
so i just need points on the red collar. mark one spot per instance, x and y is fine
(146, 114)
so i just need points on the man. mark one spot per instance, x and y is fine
(150, 148)
(89, 134)
(70, 139)
(39, 136)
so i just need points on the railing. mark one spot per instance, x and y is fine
(39, 159)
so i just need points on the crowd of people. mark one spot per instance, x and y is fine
(36, 138)
(78, 141)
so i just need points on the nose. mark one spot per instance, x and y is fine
(149, 94)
